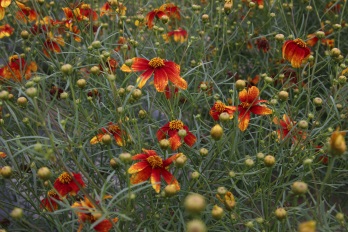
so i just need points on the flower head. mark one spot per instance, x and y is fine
(168, 9)
(219, 108)
(171, 129)
(87, 212)
(6, 31)
(25, 13)
(67, 183)
(179, 35)
(4, 4)
(50, 201)
(152, 167)
(113, 129)
(163, 70)
(286, 125)
(228, 200)
(53, 44)
(16, 68)
(295, 51)
(249, 104)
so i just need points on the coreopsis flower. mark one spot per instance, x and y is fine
(2, 154)
(121, 41)
(4, 4)
(163, 70)
(249, 104)
(110, 8)
(262, 44)
(88, 212)
(295, 51)
(219, 108)
(26, 13)
(53, 44)
(50, 201)
(286, 125)
(179, 35)
(171, 129)
(81, 12)
(228, 200)
(68, 184)
(6, 31)
(168, 9)
(152, 167)
(337, 143)
(55, 91)
(113, 129)
(312, 39)
(17, 68)
(309, 226)
(109, 65)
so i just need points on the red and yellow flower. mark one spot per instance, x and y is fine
(179, 35)
(295, 51)
(219, 108)
(171, 129)
(113, 7)
(50, 201)
(6, 31)
(153, 167)
(53, 44)
(286, 125)
(163, 70)
(113, 129)
(88, 212)
(337, 143)
(249, 104)
(68, 184)
(26, 13)
(168, 9)
(17, 68)
(4, 4)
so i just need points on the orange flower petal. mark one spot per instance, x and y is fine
(96, 139)
(170, 160)
(253, 94)
(143, 78)
(118, 140)
(2, 13)
(170, 179)
(243, 118)
(260, 110)
(175, 142)
(125, 68)
(160, 79)
(156, 179)
(141, 176)
(190, 139)
(5, 3)
(138, 167)
(243, 95)
(140, 64)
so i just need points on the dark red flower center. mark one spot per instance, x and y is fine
(155, 161)
(176, 125)
(65, 178)
(300, 43)
(156, 62)
(113, 129)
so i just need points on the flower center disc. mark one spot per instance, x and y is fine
(220, 107)
(155, 161)
(113, 129)
(245, 105)
(156, 62)
(65, 178)
(300, 43)
(176, 125)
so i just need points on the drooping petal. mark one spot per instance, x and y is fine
(174, 141)
(170, 179)
(141, 176)
(260, 110)
(156, 179)
(190, 138)
(137, 167)
(253, 94)
(160, 79)
(170, 160)
(143, 78)
(118, 139)
(140, 156)
(243, 119)
(150, 152)
(5, 3)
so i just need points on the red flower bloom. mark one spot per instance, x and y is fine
(114, 130)
(219, 108)
(168, 9)
(17, 68)
(152, 167)
(286, 125)
(6, 31)
(295, 51)
(171, 129)
(249, 104)
(179, 35)
(66, 183)
(87, 212)
(25, 13)
(53, 44)
(262, 43)
(50, 202)
(163, 71)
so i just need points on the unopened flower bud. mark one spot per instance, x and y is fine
(6, 172)
(269, 160)
(335, 52)
(240, 85)
(195, 203)
(125, 157)
(170, 190)
(66, 69)
(217, 212)
(318, 101)
(299, 188)
(216, 132)
(303, 124)
(180, 161)
(44, 173)
(31, 92)
(196, 226)
(114, 162)
(22, 101)
(280, 213)
(81, 83)
(16, 213)
(95, 70)
(283, 95)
